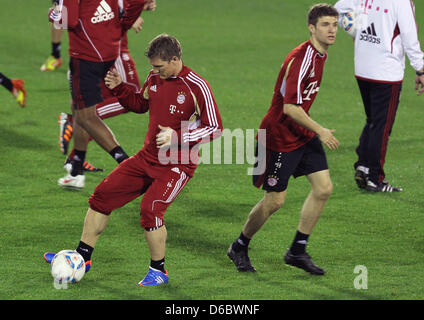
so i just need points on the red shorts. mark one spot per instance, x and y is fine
(110, 106)
(135, 176)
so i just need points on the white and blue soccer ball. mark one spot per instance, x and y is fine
(67, 266)
(348, 22)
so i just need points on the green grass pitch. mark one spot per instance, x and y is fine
(238, 46)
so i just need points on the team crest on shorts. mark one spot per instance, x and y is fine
(181, 97)
(272, 181)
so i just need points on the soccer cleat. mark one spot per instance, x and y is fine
(19, 91)
(361, 179)
(86, 166)
(69, 181)
(51, 64)
(382, 187)
(303, 261)
(240, 259)
(48, 257)
(154, 278)
(65, 131)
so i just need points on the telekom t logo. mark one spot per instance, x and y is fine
(310, 90)
(172, 108)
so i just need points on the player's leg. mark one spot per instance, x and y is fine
(85, 79)
(314, 165)
(88, 94)
(274, 181)
(262, 211)
(321, 188)
(168, 183)
(88, 120)
(16, 88)
(384, 101)
(125, 183)
(54, 61)
(361, 165)
(110, 107)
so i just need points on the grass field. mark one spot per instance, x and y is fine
(238, 46)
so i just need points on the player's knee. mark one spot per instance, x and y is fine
(86, 117)
(323, 192)
(273, 202)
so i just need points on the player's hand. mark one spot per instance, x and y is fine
(55, 15)
(326, 136)
(113, 79)
(138, 24)
(164, 137)
(150, 5)
(419, 84)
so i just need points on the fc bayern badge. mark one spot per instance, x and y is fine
(272, 181)
(181, 97)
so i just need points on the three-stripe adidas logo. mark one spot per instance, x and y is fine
(103, 13)
(370, 35)
(370, 30)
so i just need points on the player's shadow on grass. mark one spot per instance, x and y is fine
(15, 139)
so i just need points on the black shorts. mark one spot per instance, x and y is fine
(84, 81)
(305, 160)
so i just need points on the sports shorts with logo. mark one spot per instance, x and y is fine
(85, 80)
(305, 160)
(159, 185)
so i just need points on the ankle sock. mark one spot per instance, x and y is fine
(242, 243)
(118, 154)
(158, 264)
(77, 162)
(299, 243)
(85, 250)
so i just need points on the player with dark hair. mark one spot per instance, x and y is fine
(294, 144)
(16, 88)
(182, 114)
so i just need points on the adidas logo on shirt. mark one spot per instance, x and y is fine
(103, 13)
(370, 35)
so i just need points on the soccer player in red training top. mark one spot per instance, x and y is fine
(182, 114)
(294, 144)
(95, 29)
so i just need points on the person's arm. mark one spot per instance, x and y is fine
(130, 99)
(301, 118)
(409, 37)
(132, 12)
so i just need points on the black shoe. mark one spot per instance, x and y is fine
(361, 179)
(240, 259)
(86, 166)
(382, 187)
(303, 261)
